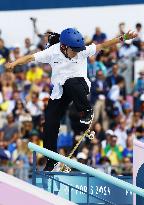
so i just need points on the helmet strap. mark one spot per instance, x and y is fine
(64, 49)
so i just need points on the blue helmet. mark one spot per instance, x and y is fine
(72, 38)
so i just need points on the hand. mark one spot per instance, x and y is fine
(130, 35)
(9, 66)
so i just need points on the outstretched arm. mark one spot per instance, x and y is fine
(129, 35)
(20, 61)
(41, 57)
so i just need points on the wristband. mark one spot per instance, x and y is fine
(123, 38)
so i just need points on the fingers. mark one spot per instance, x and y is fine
(135, 34)
(131, 34)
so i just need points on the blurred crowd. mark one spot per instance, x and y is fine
(117, 101)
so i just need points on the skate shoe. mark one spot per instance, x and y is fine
(87, 117)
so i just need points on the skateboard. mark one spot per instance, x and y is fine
(88, 133)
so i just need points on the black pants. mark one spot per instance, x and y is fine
(74, 89)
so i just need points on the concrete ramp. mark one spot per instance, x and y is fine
(16, 192)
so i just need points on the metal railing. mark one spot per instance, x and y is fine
(50, 175)
(86, 169)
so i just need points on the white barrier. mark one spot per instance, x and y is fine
(17, 192)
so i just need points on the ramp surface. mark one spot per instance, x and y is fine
(16, 192)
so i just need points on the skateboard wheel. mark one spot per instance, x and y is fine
(91, 135)
(66, 169)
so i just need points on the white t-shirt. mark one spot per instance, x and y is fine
(122, 137)
(64, 68)
(128, 52)
(114, 93)
(35, 109)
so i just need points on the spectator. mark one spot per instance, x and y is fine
(82, 154)
(115, 78)
(19, 111)
(85, 150)
(142, 105)
(115, 118)
(113, 151)
(44, 40)
(137, 41)
(4, 52)
(99, 132)
(121, 133)
(138, 90)
(114, 98)
(121, 29)
(15, 53)
(34, 137)
(107, 139)
(101, 61)
(12, 102)
(137, 120)
(45, 93)
(20, 158)
(7, 82)
(99, 37)
(34, 106)
(2, 62)
(26, 90)
(105, 165)
(115, 91)
(92, 68)
(128, 150)
(27, 47)
(128, 50)
(45, 83)
(35, 73)
(140, 133)
(7, 78)
(127, 167)
(10, 131)
(141, 51)
(112, 57)
(82, 158)
(96, 64)
(26, 127)
(4, 154)
(128, 114)
(65, 139)
(98, 95)
(7, 92)
(95, 155)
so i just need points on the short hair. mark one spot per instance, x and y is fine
(122, 23)
(138, 25)
(121, 80)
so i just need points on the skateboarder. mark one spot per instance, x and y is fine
(68, 60)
